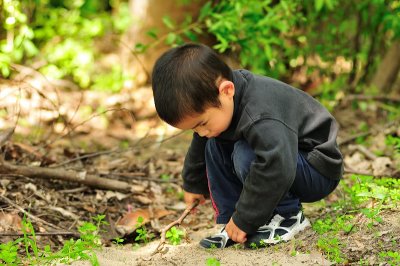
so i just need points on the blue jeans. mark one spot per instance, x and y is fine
(228, 164)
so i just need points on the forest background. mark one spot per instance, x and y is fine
(75, 99)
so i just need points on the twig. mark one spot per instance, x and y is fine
(364, 151)
(92, 155)
(177, 222)
(142, 177)
(33, 217)
(6, 135)
(371, 131)
(356, 172)
(361, 97)
(67, 175)
(53, 233)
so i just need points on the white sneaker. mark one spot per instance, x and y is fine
(220, 240)
(278, 230)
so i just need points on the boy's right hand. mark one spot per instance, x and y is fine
(190, 198)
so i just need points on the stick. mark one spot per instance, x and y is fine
(66, 175)
(177, 222)
(386, 128)
(6, 135)
(54, 233)
(33, 217)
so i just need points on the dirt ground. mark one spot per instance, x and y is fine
(192, 254)
(139, 150)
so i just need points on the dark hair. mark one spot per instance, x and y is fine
(184, 81)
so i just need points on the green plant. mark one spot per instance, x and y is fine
(174, 235)
(80, 249)
(213, 262)
(18, 42)
(62, 35)
(118, 241)
(390, 257)
(9, 253)
(364, 195)
(331, 246)
(142, 234)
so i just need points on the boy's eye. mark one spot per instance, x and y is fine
(203, 124)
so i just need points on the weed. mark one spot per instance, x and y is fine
(142, 234)
(212, 247)
(80, 249)
(118, 241)
(213, 262)
(331, 246)
(253, 246)
(165, 177)
(9, 253)
(390, 257)
(174, 235)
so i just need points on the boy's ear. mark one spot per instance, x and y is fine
(226, 87)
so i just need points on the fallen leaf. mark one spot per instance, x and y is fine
(10, 222)
(129, 222)
(381, 166)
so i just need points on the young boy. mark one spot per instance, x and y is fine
(260, 147)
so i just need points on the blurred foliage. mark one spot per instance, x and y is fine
(340, 40)
(61, 36)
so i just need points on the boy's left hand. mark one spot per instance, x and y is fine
(235, 233)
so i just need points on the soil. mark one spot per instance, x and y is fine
(142, 152)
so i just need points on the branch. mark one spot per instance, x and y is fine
(53, 233)
(33, 217)
(66, 175)
(386, 128)
(177, 222)
(5, 135)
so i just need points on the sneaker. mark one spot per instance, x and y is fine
(278, 230)
(220, 240)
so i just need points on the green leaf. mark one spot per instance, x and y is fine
(5, 71)
(152, 33)
(319, 4)
(191, 36)
(205, 10)
(30, 48)
(168, 22)
(171, 37)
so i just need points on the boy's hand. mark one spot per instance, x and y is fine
(190, 198)
(235, 233)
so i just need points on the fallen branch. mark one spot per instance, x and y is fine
(361, 97)
(67, 175)
(53, 233)
(388, 128)
(160, 246)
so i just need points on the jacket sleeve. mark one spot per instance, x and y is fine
(194, 168)
(271, 174)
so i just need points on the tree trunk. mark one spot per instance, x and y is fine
(388, 69)
(147, 15)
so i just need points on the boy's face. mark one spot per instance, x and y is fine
(214, 120)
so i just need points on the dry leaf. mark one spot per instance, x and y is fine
(10, 222)
(381, 166)
(129, 222)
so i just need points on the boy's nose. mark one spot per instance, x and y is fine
(202, 132)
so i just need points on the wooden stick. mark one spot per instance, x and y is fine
(177, 222)
(66, 175)
(54, 233)
(33, 217)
